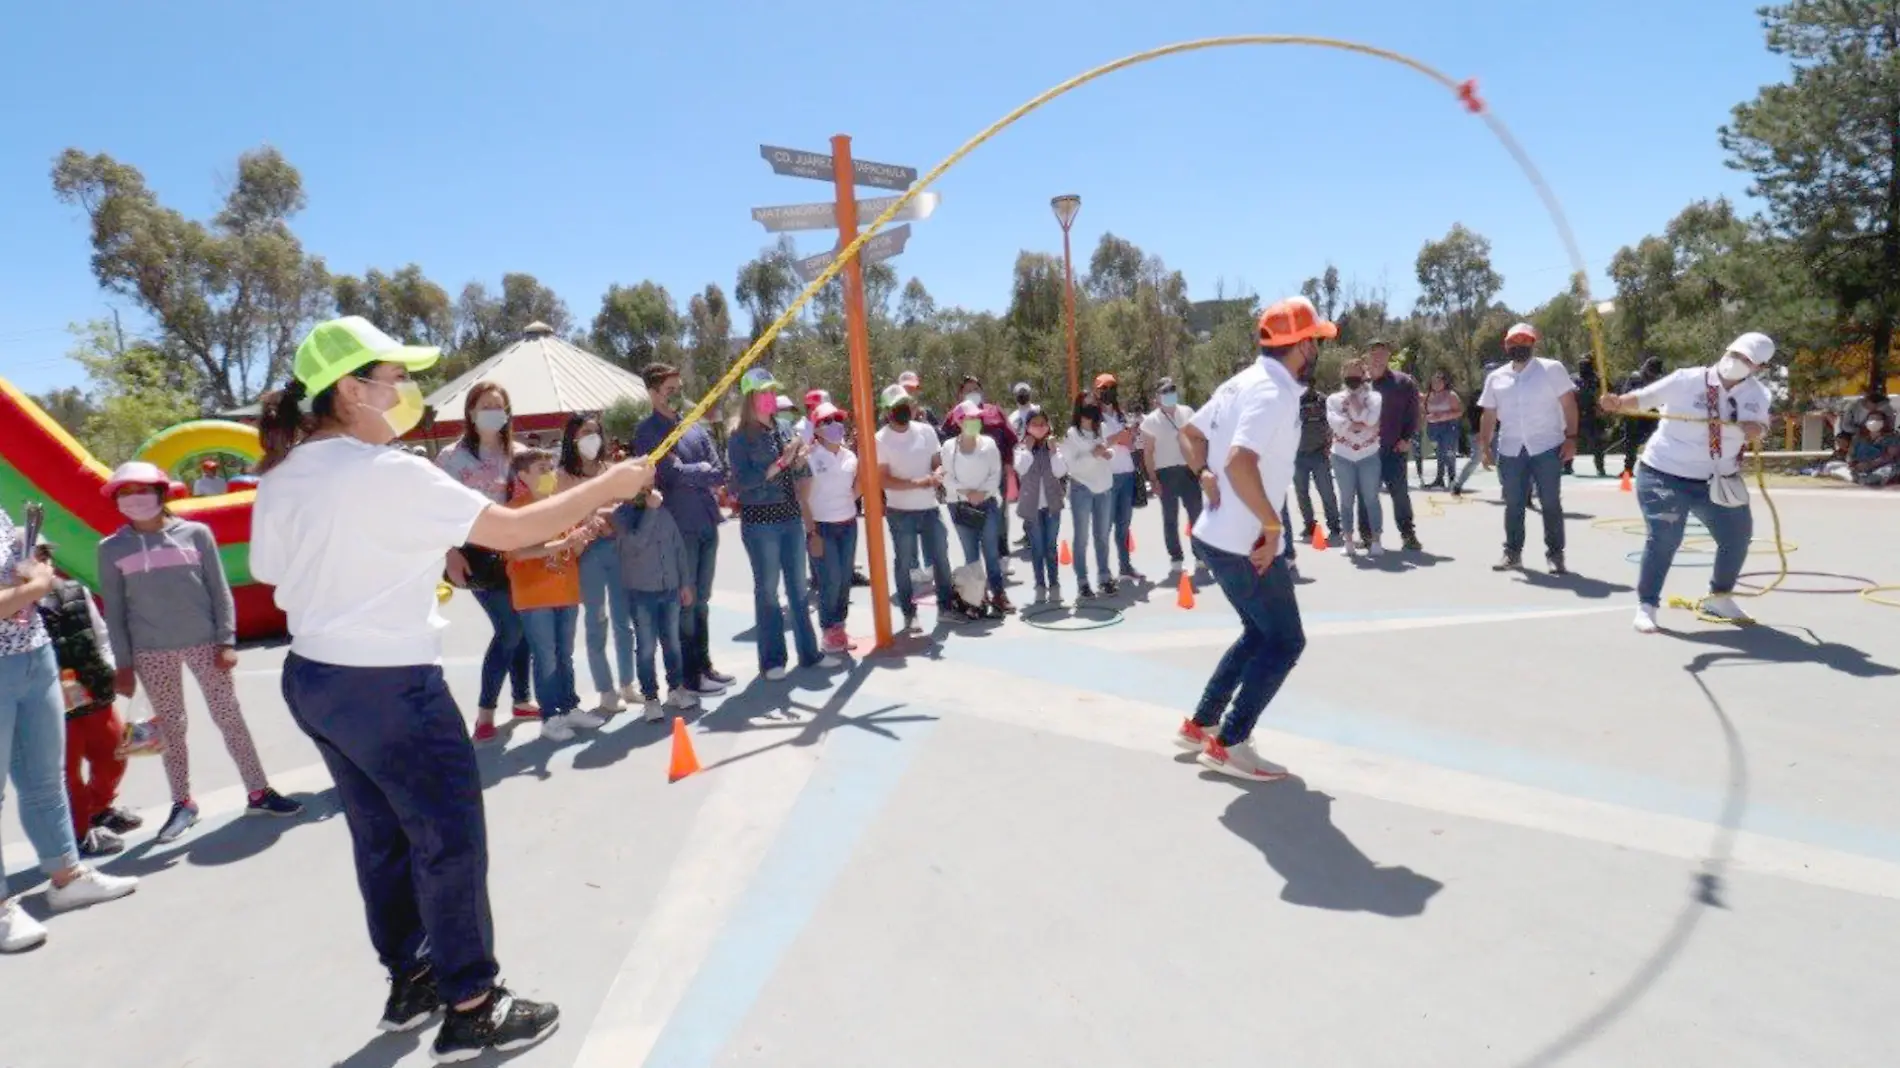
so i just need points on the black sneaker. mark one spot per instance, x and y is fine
(269, 802)
(859, 578)
(1556, 562)
(504, 1022)
(1509, 562)
(1410, 542)
(720, 677)
(100, 842)
(1129, 574)
(1109, 587)
(1084, 592)
(184, 815)
(910, 620)
(412, 1001)
(118, 821)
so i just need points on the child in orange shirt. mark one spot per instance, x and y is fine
(545, 584)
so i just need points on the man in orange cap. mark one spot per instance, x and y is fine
(1536, 401)
(1242, 444)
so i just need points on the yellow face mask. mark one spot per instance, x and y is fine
(544, 485)
(403, 416)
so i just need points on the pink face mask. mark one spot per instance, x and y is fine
(764, 405)
(140, 507)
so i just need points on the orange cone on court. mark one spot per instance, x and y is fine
(1624, 483)
(1319, 538)
(1185, 595)
(1063, 556)
(685, 761)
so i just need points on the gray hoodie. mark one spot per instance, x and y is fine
(164, 590)
(652, 553)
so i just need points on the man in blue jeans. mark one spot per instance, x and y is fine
(687, 480)
(1243, 442)
(1398, 431)
(911, 465)
(1537, 404)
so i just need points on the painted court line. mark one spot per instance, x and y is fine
(1135, 725)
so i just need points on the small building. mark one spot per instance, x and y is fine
(547, 379)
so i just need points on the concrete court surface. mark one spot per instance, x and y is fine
(1522, 835)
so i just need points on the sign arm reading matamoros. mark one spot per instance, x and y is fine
(784, 217)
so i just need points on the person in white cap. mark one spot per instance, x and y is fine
(1692, 466)
(1537, 403)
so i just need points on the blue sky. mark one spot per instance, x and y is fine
(590, 142)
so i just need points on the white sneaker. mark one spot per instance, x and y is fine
(1352, 547)
(584, 719)
(681, 698)
(1376, 550)
(630, 693)
(609, 702)
(91, 888)
(654, 712)
(1722, 606)
(1241, 762)
(829, 661)
(1645, 622)
(775, 674)
(555, 729)
(18, 931)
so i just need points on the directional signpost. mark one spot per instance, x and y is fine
(845, 175)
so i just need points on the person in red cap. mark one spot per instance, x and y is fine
(209, 483)
(1537, 403)
(813, 398)
(835, 489)
(1242, 444)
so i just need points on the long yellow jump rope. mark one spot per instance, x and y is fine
(1466, 93)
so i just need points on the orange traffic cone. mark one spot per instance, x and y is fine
(1319, 538)
(1063, 556)
(685, 761)
(1624, 483)
(1185, 595)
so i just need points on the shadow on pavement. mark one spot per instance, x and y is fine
(1397, 560)
(1773, 644)
(1581, 585)
(773, 706)
(1292, 826)
(388, 1050)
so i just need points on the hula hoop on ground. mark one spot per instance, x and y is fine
(1868, 595)
(1035, 613)
(1865, 583)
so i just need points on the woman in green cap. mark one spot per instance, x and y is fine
(771, 479)
(352, 534)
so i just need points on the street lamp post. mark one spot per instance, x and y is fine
(1065, 207)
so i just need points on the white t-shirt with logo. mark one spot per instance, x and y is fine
(1165, 428)
(1121, 460)
(908, 454)
(834, 485)
(1680, 447)
(353, 536)
(1529, 404)
(1258, 410)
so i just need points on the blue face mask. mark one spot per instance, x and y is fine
(1169, 400)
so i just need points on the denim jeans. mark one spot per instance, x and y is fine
(777, 552)
(1519, 475)
(33, 750)
(1286, 535)
(834, 571)
(986, 543)
(1398, 486)
(1123, 490)
(1314, 470)
(551, 635)
(1178, 487)
(1092, 514)
(411, 794)
(1359, 485)
(1044, 529)
(656, 619)
(1271, 640)
(702, 553)
(1667, 502)
(507, 655)
(908, 529)
(604, 605)
(1445, 449)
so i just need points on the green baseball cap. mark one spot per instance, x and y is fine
(342, 346)
(758, 379)
(893, 396)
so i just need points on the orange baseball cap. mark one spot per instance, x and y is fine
(1522, 330)
(1293, 320)
(1104, 380)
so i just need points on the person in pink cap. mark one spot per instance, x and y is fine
(168, 607)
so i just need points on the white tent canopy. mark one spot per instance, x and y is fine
(544, 376)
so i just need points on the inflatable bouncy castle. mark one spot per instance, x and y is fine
(40, 461)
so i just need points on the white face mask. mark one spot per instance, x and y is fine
(1733, 368)
(491, 420)
(1875, 426)
(588, 445)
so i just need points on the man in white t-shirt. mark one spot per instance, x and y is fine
(1168, 472)
(1710, 415)
(908, 456)
(1537, 403)
(1242, 443)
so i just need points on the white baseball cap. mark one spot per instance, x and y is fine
(1755, 347)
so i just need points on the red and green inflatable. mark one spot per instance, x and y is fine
(40, 461)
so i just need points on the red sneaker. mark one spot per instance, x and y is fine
(527, 710)
(1192, 736)
(485, 732)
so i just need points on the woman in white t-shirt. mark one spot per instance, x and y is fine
(1167, 466)
(352, 532)
(1710, 415)
(835, 490)
(1087, 455)
(480, 460)
(1353, 415)
(973, 482)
